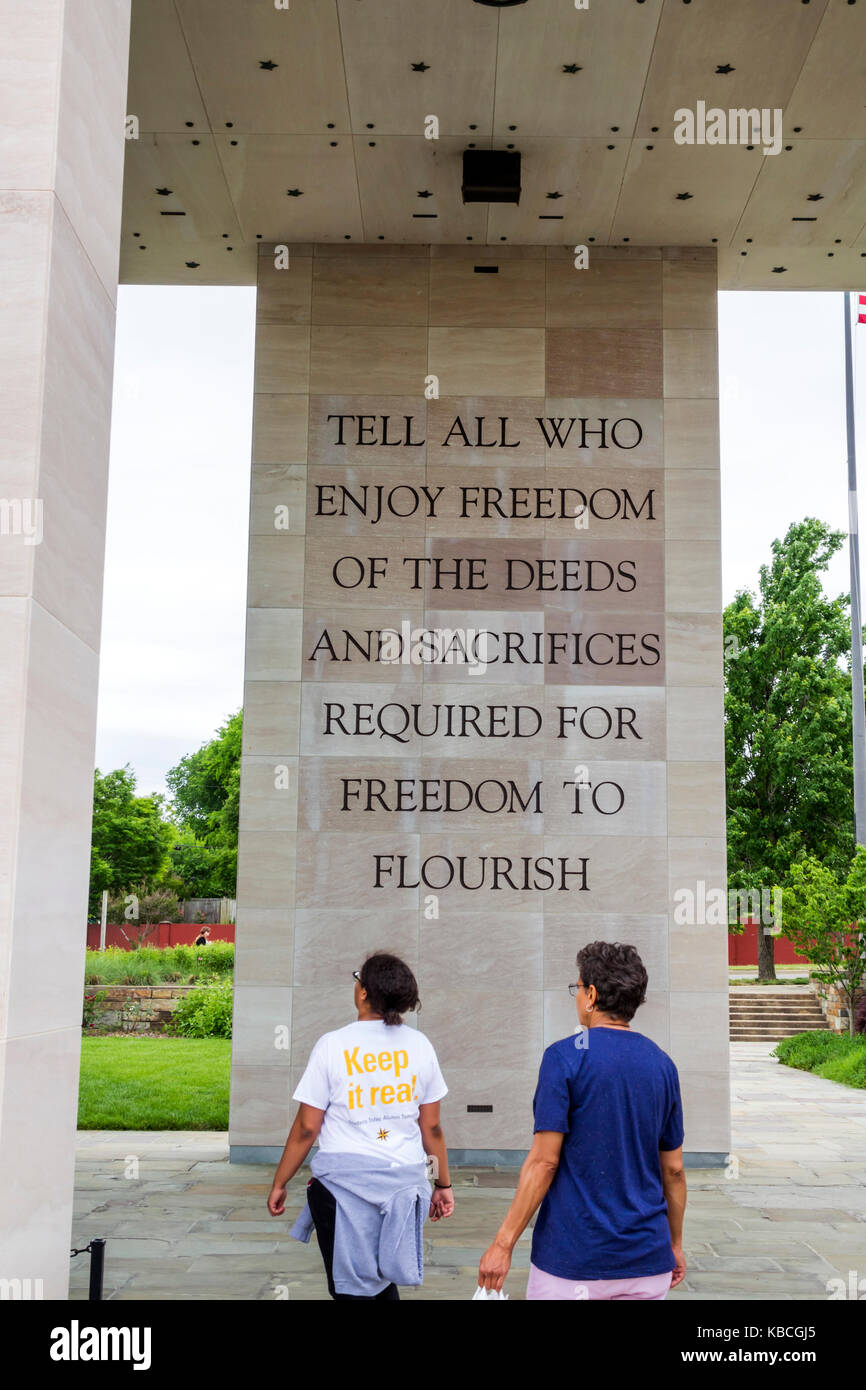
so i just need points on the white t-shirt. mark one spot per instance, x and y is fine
(370, 1078)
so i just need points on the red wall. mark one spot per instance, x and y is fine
(165, 934)
(743, 950)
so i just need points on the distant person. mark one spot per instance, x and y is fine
(606, 1163)
(370, 1095)
(203, 937)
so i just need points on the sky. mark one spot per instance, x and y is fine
(175, 573)
(171, 669)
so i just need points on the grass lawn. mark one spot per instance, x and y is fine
(835, 1056)
(154, 1083)
(779, 980)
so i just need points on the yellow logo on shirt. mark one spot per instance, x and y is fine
(359, 1097)
(383, 1134)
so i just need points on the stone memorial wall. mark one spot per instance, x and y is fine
(483, 698)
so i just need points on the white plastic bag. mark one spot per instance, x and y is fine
(489, 1293)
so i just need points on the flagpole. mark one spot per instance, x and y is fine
(857, 696)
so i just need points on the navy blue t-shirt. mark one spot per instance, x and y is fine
(617, 1101)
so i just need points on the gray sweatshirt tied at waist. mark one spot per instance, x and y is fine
(381, 1210)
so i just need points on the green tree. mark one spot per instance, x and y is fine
(202, 871)
(788, 720)
(205, 787)
(824, 917)
(130, 837)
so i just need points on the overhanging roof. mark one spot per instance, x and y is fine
(341, 117)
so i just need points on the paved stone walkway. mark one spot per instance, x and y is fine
(181, 1223)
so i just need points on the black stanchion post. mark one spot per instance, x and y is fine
(97, 1266)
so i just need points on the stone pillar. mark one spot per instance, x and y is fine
(61, 165)
(464, 439)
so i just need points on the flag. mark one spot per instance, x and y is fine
(861, 302)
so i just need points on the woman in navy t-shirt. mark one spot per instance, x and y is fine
(606, 1162)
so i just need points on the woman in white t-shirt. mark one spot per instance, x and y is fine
(370, 1095)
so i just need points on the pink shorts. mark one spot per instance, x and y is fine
(548, 1286)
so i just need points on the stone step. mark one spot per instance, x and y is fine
(778, 1022)
(768, 1034)
(779, 1006)
(756, 1016)
(805, 1024)
(776, 1013)
(787, 1021)
(774, 1008)
(773, 1003)
(795, 1000)
(775, 991)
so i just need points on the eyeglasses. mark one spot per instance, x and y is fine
(572, 989)
(356, 975)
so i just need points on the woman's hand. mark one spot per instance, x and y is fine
(277, 1200)
(441, 1203)
(495, 1264)
(679, 1273)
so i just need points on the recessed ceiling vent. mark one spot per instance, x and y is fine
(491, 176)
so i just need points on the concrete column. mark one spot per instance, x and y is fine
(61, 165)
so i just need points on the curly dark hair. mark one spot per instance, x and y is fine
(618, 974)
(391, 987)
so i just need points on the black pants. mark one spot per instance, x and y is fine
(323, 1209)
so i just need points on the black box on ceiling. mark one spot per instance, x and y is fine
(491, 176)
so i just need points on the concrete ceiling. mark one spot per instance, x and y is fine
(341, 118)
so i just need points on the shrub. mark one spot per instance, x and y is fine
(205, 1012)
(158, 907)
(93, 1008)
(835, 1056)
(138, 976)
(805, 1051)
(152, 907)
(216, 959)
(849, 1068)
(150, 965)
(130, 1015)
